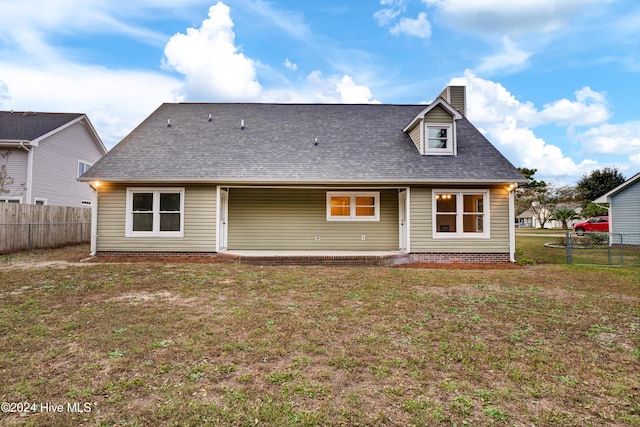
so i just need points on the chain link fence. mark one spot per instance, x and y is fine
(606, 249)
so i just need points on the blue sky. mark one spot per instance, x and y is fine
(554, 84)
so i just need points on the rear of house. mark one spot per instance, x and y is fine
(418, 180)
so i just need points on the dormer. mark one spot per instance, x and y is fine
(433, 130)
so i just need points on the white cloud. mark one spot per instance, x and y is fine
(4, 92)
(351, 93)
(511, 17)
(390, 16)
(317, 88)
(209, 60)
(28, 24)
(621, 138)
(511, 58)
(419, 27)
(73, 88)
(215, 70)
(385, 17)
(290, 65)
(497, 112)
(289, 22)
(589, 108)
(510, 124)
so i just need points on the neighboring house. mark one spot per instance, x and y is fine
(47, 154)
(528, 219)
(624, 209)
(214, 177)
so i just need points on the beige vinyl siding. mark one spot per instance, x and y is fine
(199, 223)
(415, 137)
(291, 219)
(438, 115)
(55, 166)
(422, 231)
(457, 98)
(17, 170)
(455, 95)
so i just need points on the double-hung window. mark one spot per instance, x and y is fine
(439, 139)
(461, 213)
(155, 212)
(353, 206)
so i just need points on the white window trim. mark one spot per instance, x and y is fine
(40, 199)
(89, 164)
(450, 140)
(352, 195)
(156, 212)
(460, 234)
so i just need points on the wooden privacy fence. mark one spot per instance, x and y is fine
(26, 227)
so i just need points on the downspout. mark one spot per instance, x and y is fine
(512, 225)
(29, 172)
(94, 220)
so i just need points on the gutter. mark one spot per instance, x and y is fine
(17, 143)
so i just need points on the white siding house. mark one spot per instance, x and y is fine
(624, 209)
(47, 153)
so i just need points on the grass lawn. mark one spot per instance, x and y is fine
(190, 344)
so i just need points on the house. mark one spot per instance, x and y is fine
(624, 210)
(419, 180)
(528, 219)
(44, 154)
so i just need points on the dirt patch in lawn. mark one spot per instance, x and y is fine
(465, 266)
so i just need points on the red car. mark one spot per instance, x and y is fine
(597, 223)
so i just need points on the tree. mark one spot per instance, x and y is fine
(5, 180)
(543, 201)
(533, 183)
(524, 192)
(597, 183)
(564, 215)
(593, 209)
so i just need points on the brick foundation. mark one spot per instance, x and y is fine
(472, 258)
(329, 260)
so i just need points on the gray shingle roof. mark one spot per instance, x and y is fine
(23, 126)
(356, 143)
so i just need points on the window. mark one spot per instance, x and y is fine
(353, 206)
(83, 167)
(461, 213)
(439, 139)
(155, 212)
(39, 201)
(10, 200)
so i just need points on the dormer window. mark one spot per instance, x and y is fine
(433, 130)
(439, 140)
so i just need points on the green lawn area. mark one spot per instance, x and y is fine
(220, 344)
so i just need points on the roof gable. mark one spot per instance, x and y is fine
(605, 198)
(455, 114)
(33, 127)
